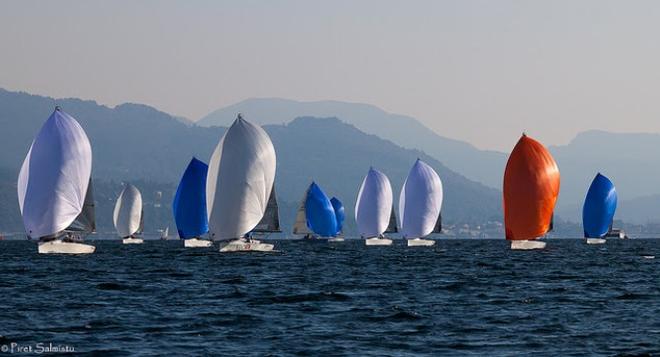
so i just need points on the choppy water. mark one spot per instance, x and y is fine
(461, 297)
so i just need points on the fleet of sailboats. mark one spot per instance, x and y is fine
(598, 210)
(233, 198)
(531, 187)
(128, 215)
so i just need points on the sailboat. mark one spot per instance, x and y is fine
(300, 226)
(189, 206)
(340, 216)
(420, 203)
(128, 216)
(240, 180)
(165, 233)
(373, 209)
(323, 219)
(598, 210)
(531, 187)
(54, 190)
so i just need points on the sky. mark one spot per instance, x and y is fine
(479, 71)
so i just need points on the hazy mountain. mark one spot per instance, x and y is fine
(479, 165)
(140, 144)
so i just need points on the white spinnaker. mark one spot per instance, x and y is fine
(54, 177)
(374, 204)
(420, 201)
(128, 211)
(240, 178)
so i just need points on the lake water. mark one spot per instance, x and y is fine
(461, 297)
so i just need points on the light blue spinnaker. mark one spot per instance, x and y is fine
(599, 207)
(319, 212)
(340, 215)
(189, 204)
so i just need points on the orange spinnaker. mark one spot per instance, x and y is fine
(531, 187)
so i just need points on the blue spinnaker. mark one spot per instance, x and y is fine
(189, 204)
(340, 215)
(319, 212)
(599, 207)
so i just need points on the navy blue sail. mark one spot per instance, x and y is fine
(189, 204)
(340, 215)
(319, 212)
(599, 207)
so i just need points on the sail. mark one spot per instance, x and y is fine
(270, 223)
(340, 214)
(373, 209)
(127, 215)
(240, 179)
(300, 226)
(86, 220)
(438, 225)
(420, 201)
(54, 177)
(531, 187)
(189, 205)
(320, 215)
(391, 226)
(599, 207)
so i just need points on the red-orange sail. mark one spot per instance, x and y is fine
(531, 187)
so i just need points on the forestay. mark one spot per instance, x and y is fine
(55, 176)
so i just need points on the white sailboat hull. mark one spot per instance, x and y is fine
(527, 244)
(596, 241)
(241, 245)
(60, 247)
(336, 239)
(377, 241)
(197, 243)
(132, 241)
(418, 242)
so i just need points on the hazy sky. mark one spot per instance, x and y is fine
(481, 71)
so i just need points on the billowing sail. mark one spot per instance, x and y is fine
(189, 203)
(86, 221)
(127, 215)
(391, 227)
(319, 212)
(270, 223)
(54, 177)
(300, 226)
(531, 187)
(599, 207)
(374, 212)
(240, 179)
(420, 201)
(340, 215)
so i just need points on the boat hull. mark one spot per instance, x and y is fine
(527, 244)
(336, 239)
(197, 243)
(60, 247)
(596, 241)
(418, 242)
(132, 241)
(377, 241)
(240, 245)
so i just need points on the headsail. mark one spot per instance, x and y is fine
(319, 212)
(189, 203)
(531, 187)
(420, 201)
(54, 177)
(86, 221)
(270, 223)
(374, 212)
(340, 214)
(240, 179)
(300, 226)
(599, 207)
(127, 215)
